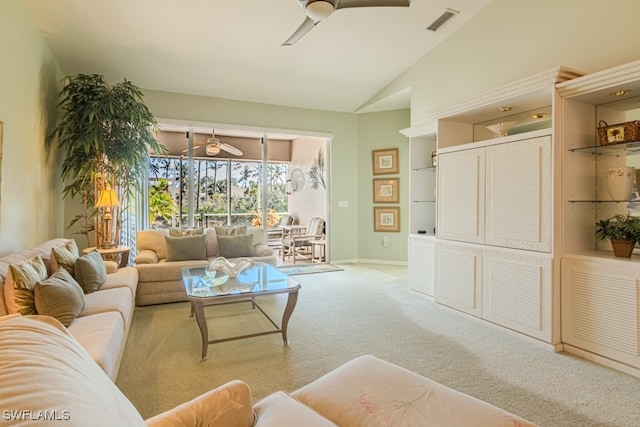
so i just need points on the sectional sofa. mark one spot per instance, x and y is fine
(102, 324)
(46, 375)
(161, 257)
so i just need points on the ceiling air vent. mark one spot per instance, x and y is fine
(448, 14)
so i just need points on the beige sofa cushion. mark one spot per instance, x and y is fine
(42, 368)
(102, 336)
(186, 248)
(64, 256)
(235, 246)
(181, 232)
(280, 409)
(371, 392)
(20, 284)
(59, 296)
(90, 271)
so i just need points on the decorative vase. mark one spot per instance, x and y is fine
(620, 182)
(622, 248)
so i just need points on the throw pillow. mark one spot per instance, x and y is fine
(259, 235)
(64, 256)
(180, 232)
(231, 231)
(59, 296)
(22, 281)
(90, 271)
(186, 248)
(235, 246)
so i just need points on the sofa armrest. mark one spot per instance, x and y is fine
(111, 266)
(261, 250)
(228, 405)
(146, 256)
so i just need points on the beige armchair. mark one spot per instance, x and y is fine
(299, 245)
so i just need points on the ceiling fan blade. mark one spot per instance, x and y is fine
(303, 29)
(230, 149)
(195, 147)
(343, 4)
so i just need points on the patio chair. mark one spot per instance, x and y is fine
(299, 245)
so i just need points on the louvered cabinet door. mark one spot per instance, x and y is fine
(459, 276)
(600, 304)
(518, 195)
(461, 176)
(517, 291)
(421, 264)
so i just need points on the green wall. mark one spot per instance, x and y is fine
(378, 131)
(353, 138)
(30, 210)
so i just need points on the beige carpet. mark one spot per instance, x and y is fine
(369, 310)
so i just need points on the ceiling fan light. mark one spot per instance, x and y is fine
(212, 150)
(319, 10)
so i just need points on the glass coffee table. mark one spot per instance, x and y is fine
(205, 288)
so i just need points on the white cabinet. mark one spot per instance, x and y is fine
(461, 195)
(600, 306)
(498, 195)
(518, 194)
(459, 276)
(421, 263)
(517, 291)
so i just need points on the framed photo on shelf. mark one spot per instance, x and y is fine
(386, 190)
(386, 219)
(385, 161)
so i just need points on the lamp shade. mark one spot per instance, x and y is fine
(319, 10)
(108, 199)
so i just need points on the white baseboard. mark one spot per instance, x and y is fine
(369, 261)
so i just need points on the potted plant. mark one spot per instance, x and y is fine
(107, 133)
(622, 230)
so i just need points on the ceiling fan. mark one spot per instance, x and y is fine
(213, 146)
(318, 10)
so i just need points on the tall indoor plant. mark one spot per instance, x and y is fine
(106, 132)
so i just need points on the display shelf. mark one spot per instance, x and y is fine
(425, 168)
(616, 150)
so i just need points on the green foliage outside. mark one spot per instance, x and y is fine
(211, 187)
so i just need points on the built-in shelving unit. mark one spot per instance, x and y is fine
(529, 260)
(600, 293)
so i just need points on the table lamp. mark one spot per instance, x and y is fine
(108, 199)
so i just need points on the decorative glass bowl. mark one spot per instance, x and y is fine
(501, 129)
(230, 268)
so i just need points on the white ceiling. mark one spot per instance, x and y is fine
(232, 48)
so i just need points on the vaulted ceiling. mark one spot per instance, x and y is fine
(233, 48)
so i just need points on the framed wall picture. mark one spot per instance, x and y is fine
(386, 219)
(386, 190)
(385, 161)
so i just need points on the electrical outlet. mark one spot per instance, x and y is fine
(385, 241)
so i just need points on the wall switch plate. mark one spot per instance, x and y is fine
(385, 241)
(343, 204)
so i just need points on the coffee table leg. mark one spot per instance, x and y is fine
(288, 311)
(198, 309)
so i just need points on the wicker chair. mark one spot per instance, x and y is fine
(299, 245)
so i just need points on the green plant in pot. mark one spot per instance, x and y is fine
(623, 231)
(106, 132)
